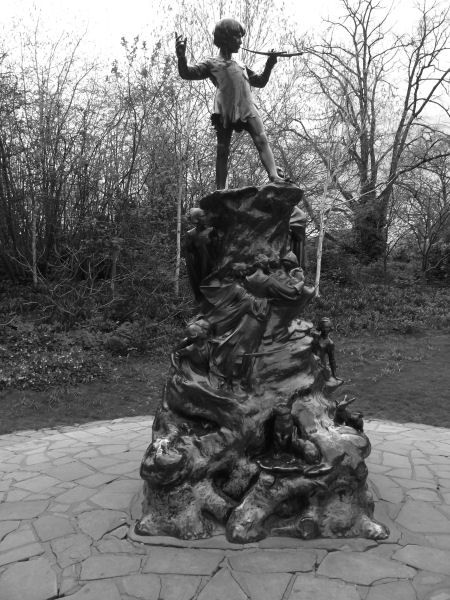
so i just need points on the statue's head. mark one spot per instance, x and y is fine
(225, 31)
(239, 269)
(325, 325)
(262, 262)
(197, 216)
(198, 330)
(289, 260)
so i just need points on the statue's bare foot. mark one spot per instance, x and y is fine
(281, 173)
(246, 525)
(277, 179)
(372, 530)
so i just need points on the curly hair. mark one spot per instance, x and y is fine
(224, 29)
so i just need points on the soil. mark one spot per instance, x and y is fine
(398, 377)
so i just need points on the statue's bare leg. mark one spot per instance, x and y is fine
(259, 137)
(223, 152)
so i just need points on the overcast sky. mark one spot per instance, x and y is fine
(102, 23)
(106, 21)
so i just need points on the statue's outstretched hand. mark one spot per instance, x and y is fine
(180, 45)
(272, 60)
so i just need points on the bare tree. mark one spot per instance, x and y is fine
(426, 208)
(381, 85)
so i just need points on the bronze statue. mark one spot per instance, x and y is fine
(297, 231)
(246, 436)
(194, 347)
(199, 248)
(343, 416)
(234, 108)
(324, 348)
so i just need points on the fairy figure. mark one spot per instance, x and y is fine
(234, 107)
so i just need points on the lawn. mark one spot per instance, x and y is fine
(403, 378)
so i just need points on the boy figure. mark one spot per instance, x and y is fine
(234, 108)
(323, 347)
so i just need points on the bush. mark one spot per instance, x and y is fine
(381, 309)
(40, 356)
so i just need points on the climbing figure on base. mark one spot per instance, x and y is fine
(234, 108)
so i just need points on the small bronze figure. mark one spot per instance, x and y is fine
(234, 107)
(290, 453)
(194, 347)
(199, 251)
(324, 349)
(283, 429)
(297, 234)
(343, 416)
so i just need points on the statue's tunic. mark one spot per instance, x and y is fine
(233, 103)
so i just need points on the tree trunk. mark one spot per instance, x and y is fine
(370, 228)
(34, 246)
(319, 252)
(176, 287)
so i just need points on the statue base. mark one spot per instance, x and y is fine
(247, 440)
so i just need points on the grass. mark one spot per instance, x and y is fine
(132, 387)
(390, 345)
(403, 378)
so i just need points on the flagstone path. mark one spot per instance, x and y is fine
(65, 517)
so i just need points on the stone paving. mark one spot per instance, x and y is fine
(65, 498)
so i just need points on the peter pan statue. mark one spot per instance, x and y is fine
(234, 107)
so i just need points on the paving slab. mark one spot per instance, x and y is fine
(10, 511)
(96, 480)
(179, 587)
(309, 587)
(71, 549)
(282, 561)
(427, 559)
(17, 495)
(69, 583)
(112, 545)
(50, 527)
(97, 590)
(120, 532)
(438, 541)
(97, 522)
(115, 497)
(8, 526)
(70, 471)
(14, 539)
(103, 566)
(362, 569)
(145, 587)
(427, 495)
(38, 483)
(37, 581)
(423, 517)
(263, 586)
(183, 561)
(386, 488)
(329, 544)
(396, 590)
(425, 583)
(222, 586)
(21, 553)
